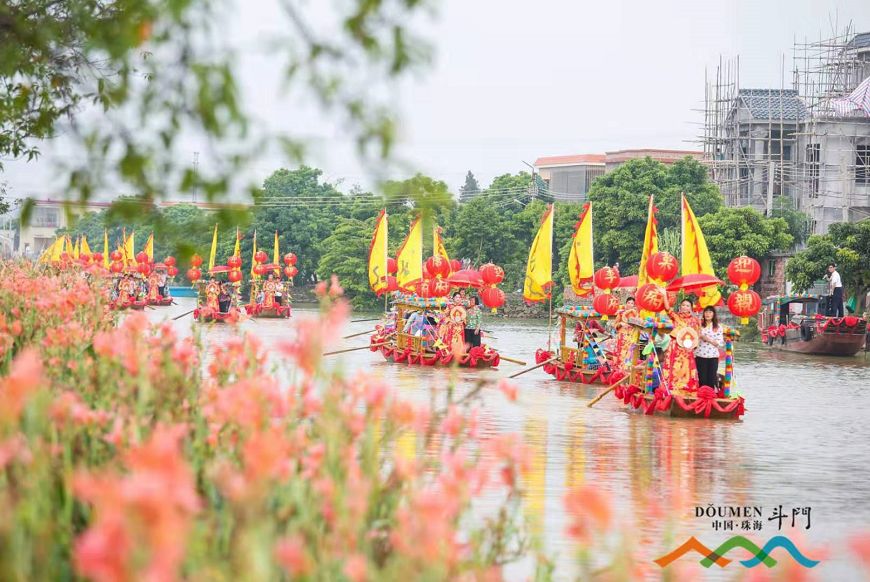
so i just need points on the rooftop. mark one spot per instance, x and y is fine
(773, 104)
(575, 160)
(861, 40)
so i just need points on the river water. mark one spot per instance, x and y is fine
(804, 442)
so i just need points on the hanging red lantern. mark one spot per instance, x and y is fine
(662, 266)
(392, 284)
(424, 288)
(169, 261)
(606, 304)
(606, 278)
(116, 255)
(141, 257)
(261, 256)
(650, 297)
(234, 262)
(491, 274)
(117, 267)
(289, 259)
(194, 274)
(744, 303)
(439, 287)
(291, 271)
(744, 271)
(97, 257)
(437, 266)
(455, 265)
(196, 261)
(172, 270)
(259, 270)
(144, 268)
(392, 266)
(234, 276)
(492, 297)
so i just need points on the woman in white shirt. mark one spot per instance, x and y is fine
(707, 352)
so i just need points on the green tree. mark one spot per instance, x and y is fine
(470, 188)
(345, 253)
(512, 184)
(798, 222)
(422, 196)
(731, 232)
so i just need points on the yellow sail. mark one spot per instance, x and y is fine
(254, 254)
(106, 249)
(695, 255)
(539, 269)
(410, 258)
(213, 252)
(581, 259)
(438, 248)
(378, 255)
(650, 243)
(149, 248)
(84, 247)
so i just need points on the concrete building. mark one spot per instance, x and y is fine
(568, 178)
(613, 160)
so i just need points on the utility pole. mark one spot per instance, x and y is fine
(195, 174)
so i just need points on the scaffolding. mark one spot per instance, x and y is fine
(802, 144)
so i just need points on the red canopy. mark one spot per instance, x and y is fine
(693, 282)
(625, 282)
(466, 278)
(219, 269)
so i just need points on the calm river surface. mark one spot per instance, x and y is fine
(804, 442)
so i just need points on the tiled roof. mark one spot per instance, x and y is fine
(773, 104)
(860, 41)
(569, 160)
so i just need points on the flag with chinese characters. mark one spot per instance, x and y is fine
(581, 266)
(438, 248)
(149, 248)
(409, 259)
(650, 244)
(378, 255)
(213, 252)
(129, 249)
(539, 269)
(695, 255)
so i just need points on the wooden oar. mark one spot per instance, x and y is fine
(354, 349)
(606, 392)
(183, 314)
(358, 334)
(364, 320)
(521, 372)
(513, 361)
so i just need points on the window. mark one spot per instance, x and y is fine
(862, 164)
(46, 217)
(771, 268)
(814, 156)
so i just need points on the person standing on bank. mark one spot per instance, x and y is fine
(835, 291)
(711, 340)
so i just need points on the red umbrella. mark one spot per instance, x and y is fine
(625, 282)
(694, 282)
(466, 278)
(219, 269)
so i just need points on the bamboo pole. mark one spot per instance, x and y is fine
(513, 361)
(365, 320)
(358, 334)
(521, 372)
(183, 314)
(606, 392)
(354, 349)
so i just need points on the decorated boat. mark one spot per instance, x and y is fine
(269, 294)
(794, 323)
(139, 280)
(217, 299)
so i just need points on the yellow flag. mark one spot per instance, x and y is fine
(581, 266)
(276, 255)
(254, 254)
(237, 251)
(378, 255)
(130, 249)
(75, 253)
(49, 252)
(213, 251)
(650, 243)
(149, 248)
(68, 246)
(539, 269)
(84, 247)
(438, 248)
(57, 249)
(106, 249)
(410, 258)
(695, 256)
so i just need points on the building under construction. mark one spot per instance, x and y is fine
(804, 143)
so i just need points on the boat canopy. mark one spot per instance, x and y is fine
(413, 300)
(578, 311)
(783, 299)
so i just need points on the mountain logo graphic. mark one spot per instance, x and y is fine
(717, 556)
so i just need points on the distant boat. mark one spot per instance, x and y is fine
(807, 331)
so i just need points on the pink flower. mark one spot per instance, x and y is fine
(291, 555)
(508, 388)
(589, 511)
(452, 423)
(24, 378)
(355, 568)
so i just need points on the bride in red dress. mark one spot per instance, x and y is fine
(680, 367)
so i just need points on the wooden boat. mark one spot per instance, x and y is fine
(204, 314)
(136, 305)
(275, 310)
(425, 350)
(793, 323)
(161, 301)
(587, 363)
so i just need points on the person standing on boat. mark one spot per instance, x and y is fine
(224, 299)
(680, 367)
(707, 353)
(624, 331)
(472, 322)
(835, 292)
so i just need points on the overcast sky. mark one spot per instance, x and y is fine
(512, 81)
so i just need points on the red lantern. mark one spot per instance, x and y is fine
(744, 271)
(437, 266)
(290, 271)
(117, 267)
(424, 288)
(606, 304)
(234, 276)
(172, 270)
(650, 297)
(98, 257)
(289, 259)
(662, 266)
(194, 274)
(141, 257)
(744, 303)
(234, 262)
(261, 257)
(491, 274)
(492, 297)
(116, 255)
(259, 270)
(144, 268)
(169, 261)
(455, 265)
(392, 266)
(196, 260)
(606, 278)
(439, 287)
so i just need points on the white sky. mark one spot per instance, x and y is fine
(512, 81)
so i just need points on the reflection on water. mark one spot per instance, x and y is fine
(804, 441)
